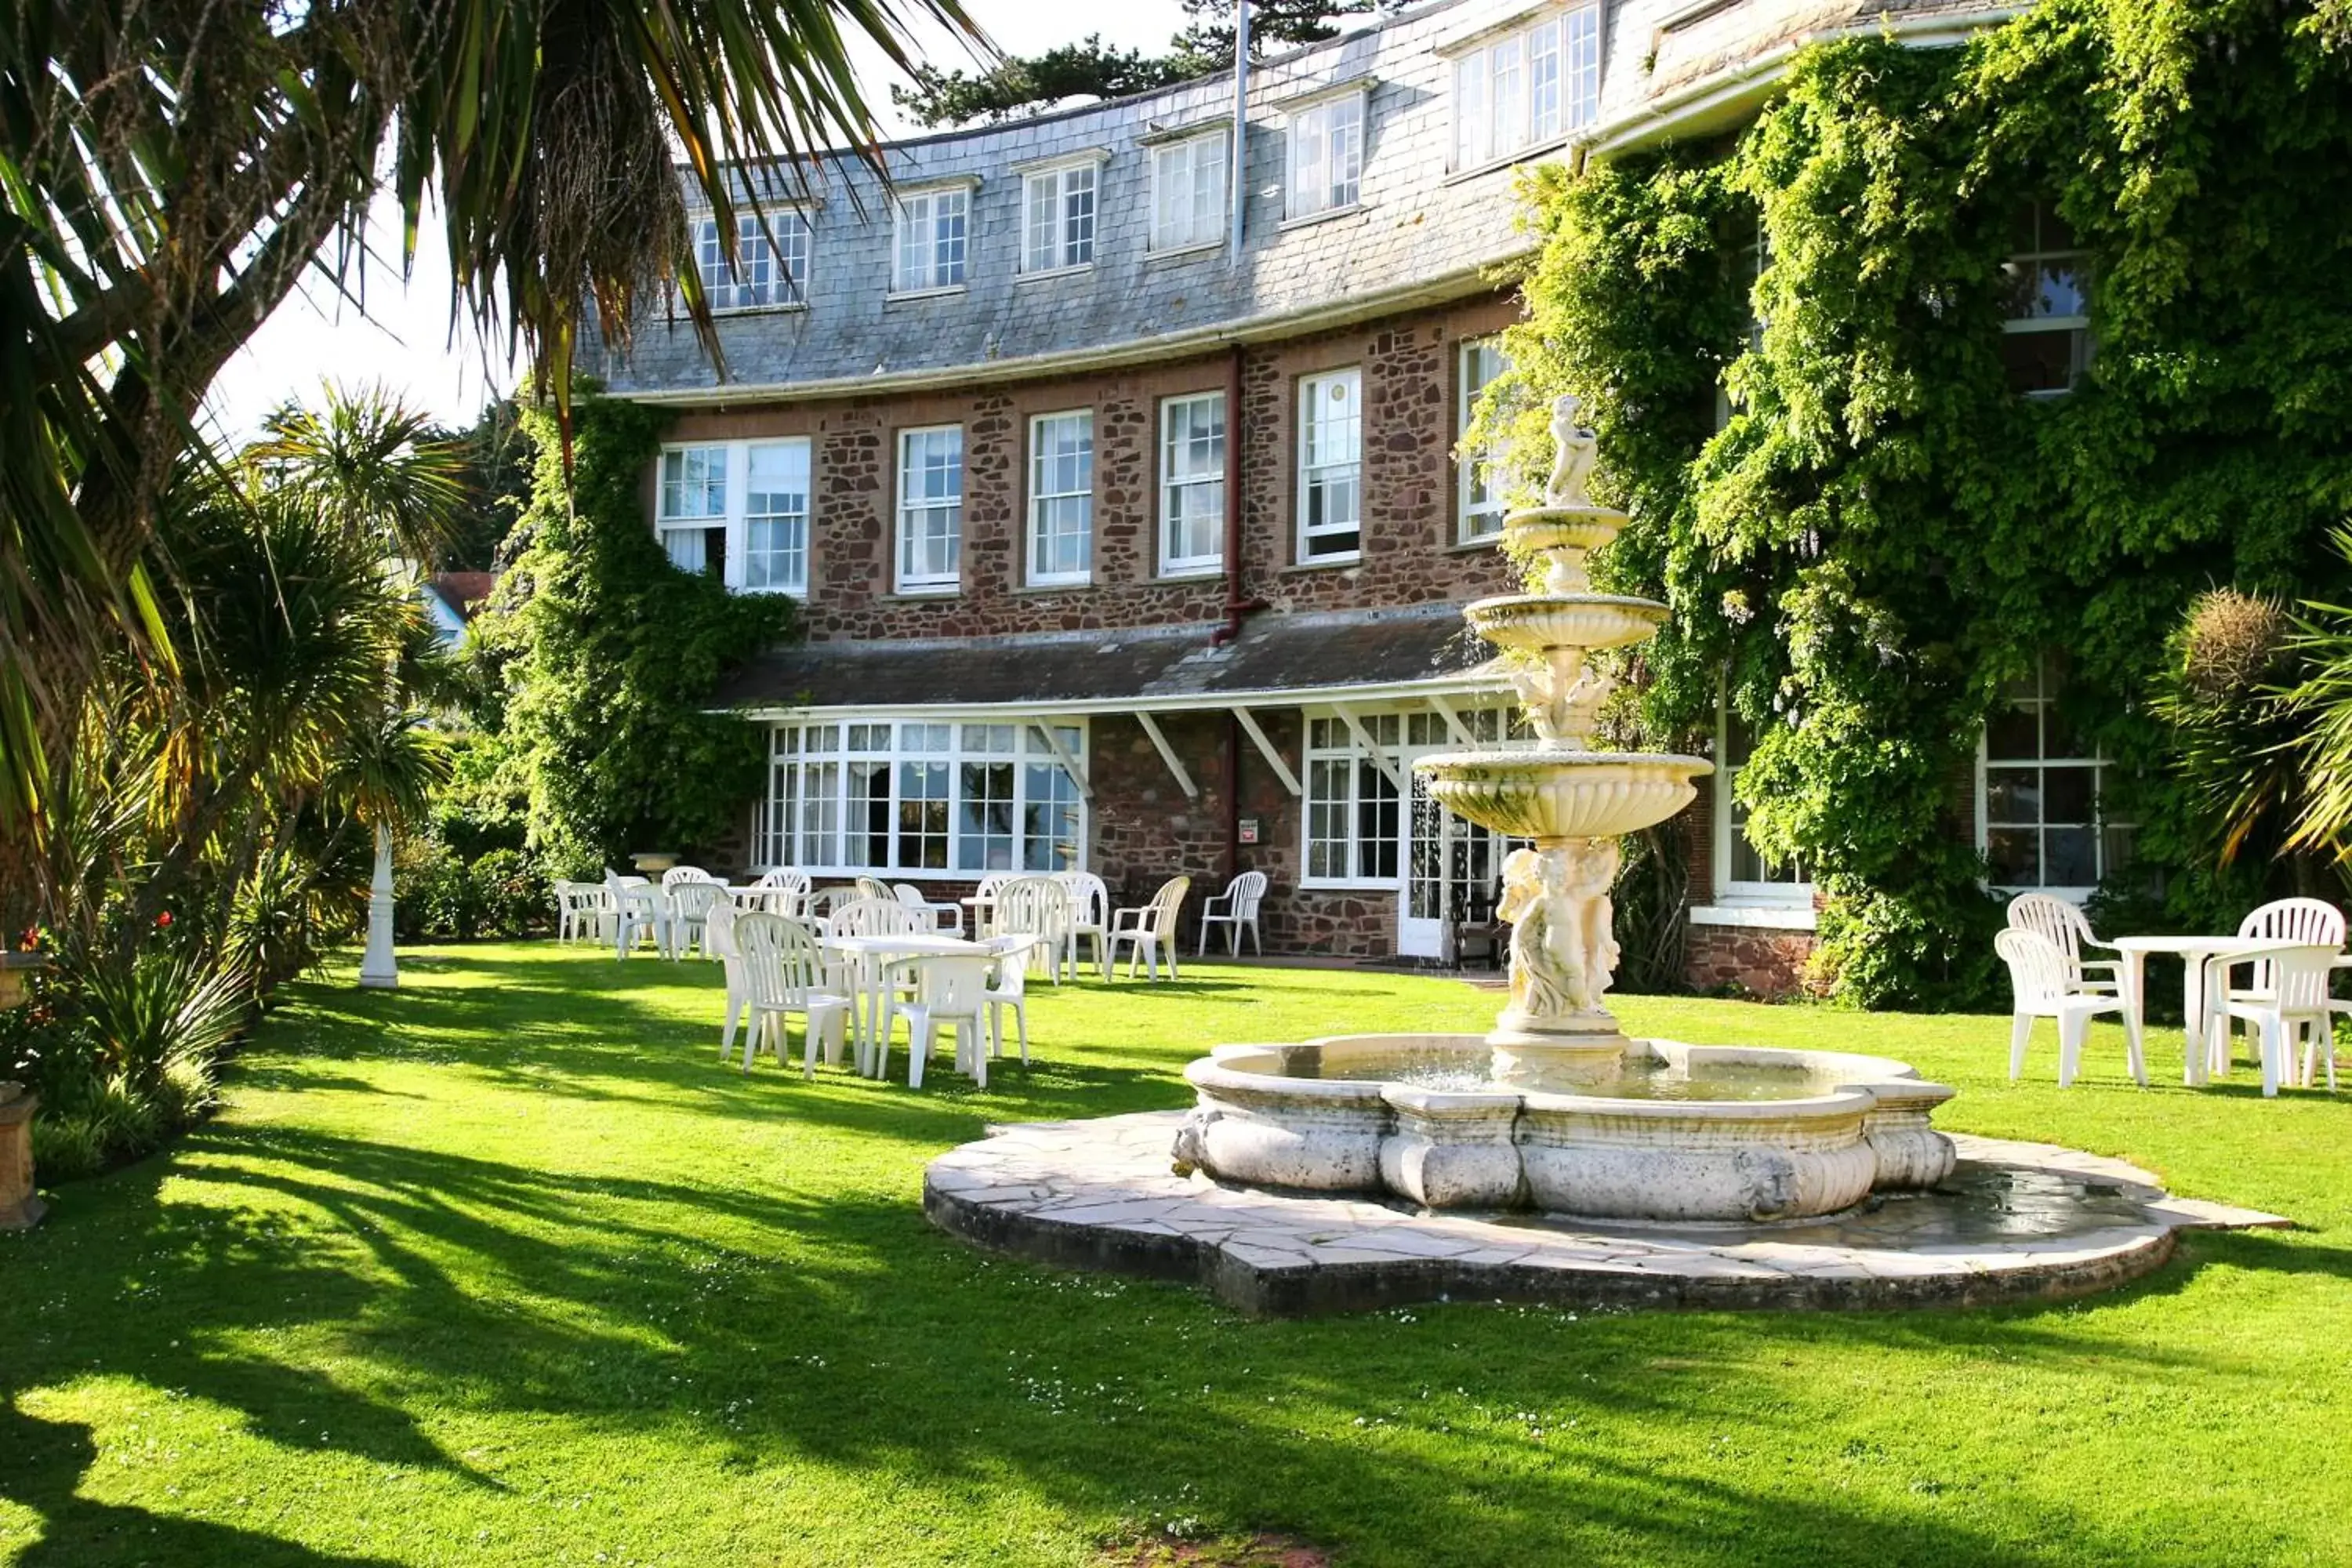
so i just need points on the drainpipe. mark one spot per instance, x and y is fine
(1236, 606)
(1240, 180)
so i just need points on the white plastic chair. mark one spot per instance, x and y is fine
(2043, 984)
(1235, 908)
(719, 941)
(691, 903)
(1037, 907)
(983, 903)
(1150, 931)
(783, 892)
(1090, 916)
(1009, 989)
(950, 992)
(872, 888)
(575, 909)
(2066, 928)
(2293, 1006)
(677, 873)
(783, 974)
(2290, 922)
(943, 917)
(639, 914)
(876, 917)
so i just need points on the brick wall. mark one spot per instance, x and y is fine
(1748, 959)
(1410, 365)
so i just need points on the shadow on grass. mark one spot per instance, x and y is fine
(789, 1304)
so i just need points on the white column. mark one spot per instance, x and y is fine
(378, 970)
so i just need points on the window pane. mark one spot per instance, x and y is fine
(2012, 794)
(2070, 857)
(2013, 734)
(2068, 795)
(2014, 855)
(775, 512)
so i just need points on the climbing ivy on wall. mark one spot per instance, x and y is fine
(604, 658)
(1863, 532)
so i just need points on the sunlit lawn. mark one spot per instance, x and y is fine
(506, 1267)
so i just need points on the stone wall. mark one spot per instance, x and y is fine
(1748, 959)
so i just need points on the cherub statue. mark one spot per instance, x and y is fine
(1573, 452)
(1564, 701)
(1593, 872)
(1540, 982)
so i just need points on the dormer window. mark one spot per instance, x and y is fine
(1326, 155)
(760, 275)
(1058, 217)
(934, 229)
(1189, 181)
(1527, 88)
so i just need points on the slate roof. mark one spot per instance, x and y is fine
(1152, 665)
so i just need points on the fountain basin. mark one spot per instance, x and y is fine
(1539, 621)
(1544, 792)
(1545, 528)
(1683, 1132)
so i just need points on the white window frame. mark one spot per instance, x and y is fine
(931, 279)
(928, 580)
(1525, 88)
(1045, 515)
(1209, 219)
(794, 816)
(1368, 784)
(751, 559)
(734, 516)
(1743, 893)
(2045, 699)
(2083, 346)
(1314, 184)
(1478, 519)
(1065, 252)
(1313, 469)
(1211, 483)
(762, 277)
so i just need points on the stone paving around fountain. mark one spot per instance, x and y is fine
(2015, 1222)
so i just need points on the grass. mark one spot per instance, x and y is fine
(503, 1267)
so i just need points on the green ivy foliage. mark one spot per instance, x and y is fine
(1864, 534)
(607, 657)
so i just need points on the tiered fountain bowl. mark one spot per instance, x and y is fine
(1556, 1109)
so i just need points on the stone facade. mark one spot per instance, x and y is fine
(1410, 365)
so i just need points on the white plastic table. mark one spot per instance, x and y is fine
(2197, 1061)
(872, 956)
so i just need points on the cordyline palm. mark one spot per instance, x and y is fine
(169, 169)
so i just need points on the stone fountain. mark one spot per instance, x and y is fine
(1556, 1109)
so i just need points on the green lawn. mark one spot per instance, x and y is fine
(504, 1268)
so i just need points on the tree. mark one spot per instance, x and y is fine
(170, 169)
(1030, 84)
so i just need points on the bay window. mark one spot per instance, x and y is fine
(922, 796)
(1355, 811)
(1330, 465)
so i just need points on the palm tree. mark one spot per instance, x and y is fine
(170, 169)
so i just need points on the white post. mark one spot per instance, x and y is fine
(377, 970)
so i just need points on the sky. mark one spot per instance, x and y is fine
(403, 338)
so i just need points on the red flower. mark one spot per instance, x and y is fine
(165, 918)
